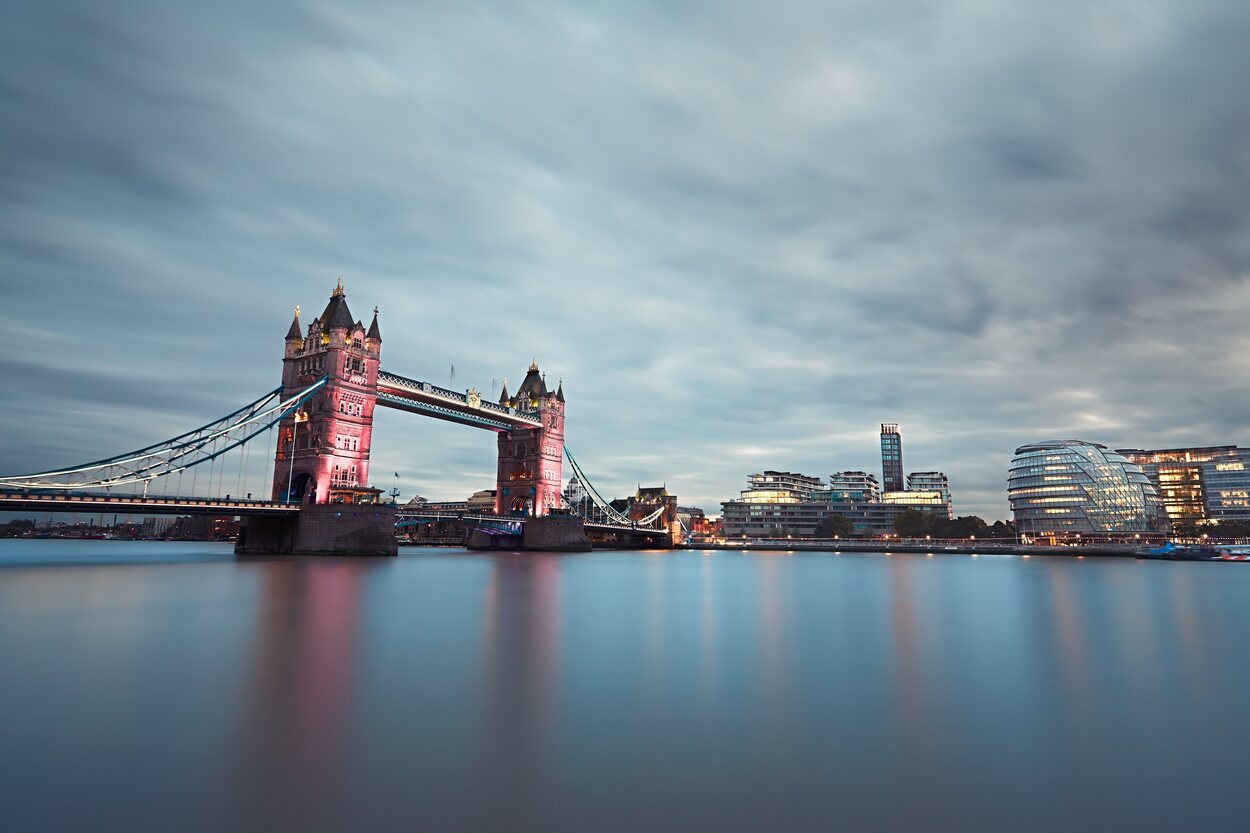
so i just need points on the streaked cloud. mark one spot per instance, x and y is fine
(730, 227)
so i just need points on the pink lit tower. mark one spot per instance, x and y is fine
(323, 450)
(530, 459)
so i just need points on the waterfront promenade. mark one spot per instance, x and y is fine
(917, 545)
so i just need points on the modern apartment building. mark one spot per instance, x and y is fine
(891, 458)
(852, 487)
(932, 481)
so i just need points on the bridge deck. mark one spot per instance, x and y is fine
(419, 397)
(25, 501)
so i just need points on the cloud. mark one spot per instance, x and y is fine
(742, 234)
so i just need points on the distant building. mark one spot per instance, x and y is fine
(692, 519)
(852, 487)
(574, 492)
(482, 501)
(915, 498)
(891, 458)
(878, 518)
(156, 527)
(1062, 487)
(932, 481)
(1198, 484)
(780, 487)
(773, 519)
(446, 506)
(775, 503)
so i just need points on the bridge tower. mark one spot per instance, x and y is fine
(323, 450)
(531, 459)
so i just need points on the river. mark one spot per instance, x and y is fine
(163, 686)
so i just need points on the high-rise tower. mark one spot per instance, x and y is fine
(323, 449)
(891, 458)
(530, 459)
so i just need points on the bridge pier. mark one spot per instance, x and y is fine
(322, 529)
(550, 533)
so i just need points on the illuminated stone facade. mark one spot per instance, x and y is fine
(323, 450)
(531, 459)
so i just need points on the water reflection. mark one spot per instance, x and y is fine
(622, 691)
(521, 658)
(296, 701)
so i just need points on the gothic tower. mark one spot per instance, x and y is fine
(323, 449)
(530, 459)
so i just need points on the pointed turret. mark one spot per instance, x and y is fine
(374, 333)
(503, 397)
(295, 333)
(560, 391)
(336, 314)
(532, 387)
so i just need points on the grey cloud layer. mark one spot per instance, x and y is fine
(742, 234)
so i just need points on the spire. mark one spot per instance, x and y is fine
(503, 397)
(560, 391)
(532, 386)
(533, 365)
(295, 333)
(336, 313)
(374, 333)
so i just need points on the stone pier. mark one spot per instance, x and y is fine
(550, 533)
(322, 529)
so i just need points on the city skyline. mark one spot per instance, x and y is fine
(730, 270)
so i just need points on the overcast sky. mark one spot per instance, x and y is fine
(744, 234)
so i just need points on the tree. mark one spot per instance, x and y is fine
(913, 523)
(834, 526)
(966, 527)
(1230, 529)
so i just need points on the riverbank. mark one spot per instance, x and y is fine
(882, 547)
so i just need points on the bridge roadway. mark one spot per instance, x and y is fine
(18, 500)
(395, 391)
(472, 518)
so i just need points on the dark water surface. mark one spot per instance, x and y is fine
(149, 686)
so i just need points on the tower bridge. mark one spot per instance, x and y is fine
(320, 498)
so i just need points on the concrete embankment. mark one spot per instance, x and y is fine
(881, 547)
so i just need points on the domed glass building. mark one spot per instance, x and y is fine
(1069, 486)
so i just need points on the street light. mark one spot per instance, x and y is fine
(300, 416)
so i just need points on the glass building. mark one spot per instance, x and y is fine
(932, 481)
(891, 458)
(851, 487)
(775, 503)
(1199, 484)
(1062, 487)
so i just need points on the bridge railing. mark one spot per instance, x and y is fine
(428, 389)
(186, 451)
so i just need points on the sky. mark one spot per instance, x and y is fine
(744, 234)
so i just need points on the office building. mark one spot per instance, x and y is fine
(1198, 484)
(1066, 487)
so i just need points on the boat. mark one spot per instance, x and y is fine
(1169, 551)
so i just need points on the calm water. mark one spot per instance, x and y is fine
(149, 686)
